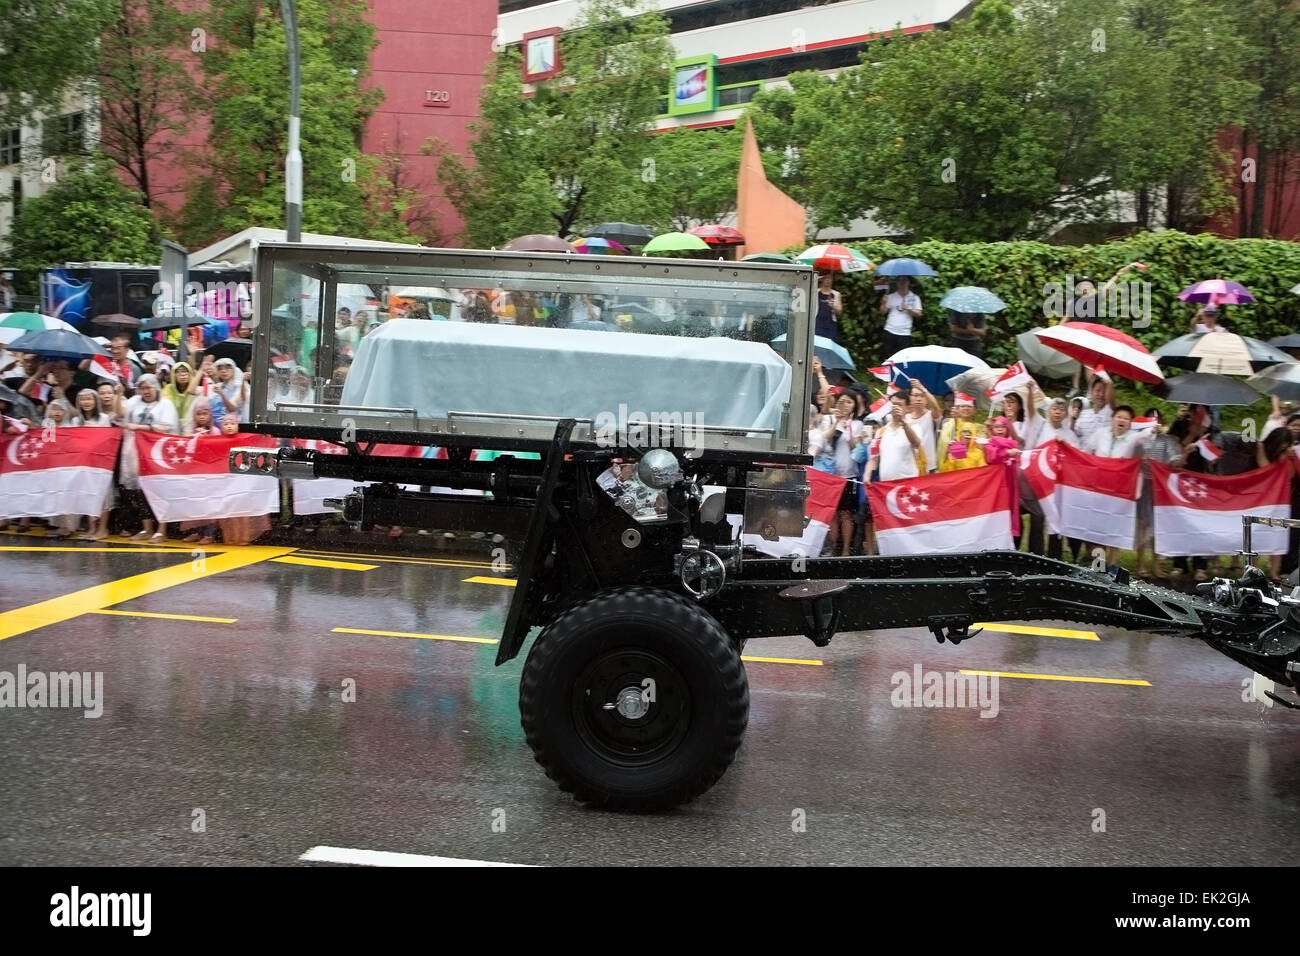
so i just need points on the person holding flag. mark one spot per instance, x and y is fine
(1097, 414)
(897, 450)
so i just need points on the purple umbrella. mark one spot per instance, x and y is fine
(1217, 291)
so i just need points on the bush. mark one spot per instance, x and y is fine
(1017, 271)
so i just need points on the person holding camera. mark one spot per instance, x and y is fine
(831, 444)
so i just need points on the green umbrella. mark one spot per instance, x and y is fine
(674, 242)
(769, 257)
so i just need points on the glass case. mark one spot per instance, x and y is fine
(461, 344)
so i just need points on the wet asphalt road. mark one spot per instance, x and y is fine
(241, 731)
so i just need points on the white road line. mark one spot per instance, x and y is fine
(339, 854)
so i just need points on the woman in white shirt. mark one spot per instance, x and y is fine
(833, 441)
(146, 411)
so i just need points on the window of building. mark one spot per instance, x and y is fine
(16, 197)
(11, 147)
(738, 95)
(64, 135)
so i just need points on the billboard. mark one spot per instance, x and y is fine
(694, 89)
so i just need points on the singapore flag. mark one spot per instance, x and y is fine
(819, 510)
(188, 479)
(1201, 514)
(1096, 498)
(54, 471)
(946, 513)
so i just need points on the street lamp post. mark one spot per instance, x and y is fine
(293, 160)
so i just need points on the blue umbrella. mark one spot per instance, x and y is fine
(832, 354)
(972, 299)
(933, 365)
(904, 267)
(58, 344)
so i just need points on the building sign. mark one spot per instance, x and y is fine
(437, 98)
(541, 49)
(694, 90)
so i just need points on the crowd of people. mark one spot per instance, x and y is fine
(920, 433)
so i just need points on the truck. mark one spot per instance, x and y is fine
(668, 443)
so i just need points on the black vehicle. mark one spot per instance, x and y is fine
(633, 694)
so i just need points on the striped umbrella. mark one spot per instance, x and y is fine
(1100, 345)
(14, 324)
(832, 257)
(1224, 353)
(599, 247)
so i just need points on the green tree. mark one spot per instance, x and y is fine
(247, 88)
(47, 50)
(693, 176)
(146, 93)
(574, 152)
(88, 215)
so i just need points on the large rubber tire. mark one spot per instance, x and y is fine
(688, 735)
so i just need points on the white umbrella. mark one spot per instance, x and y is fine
(933, 365)
(1042, 360)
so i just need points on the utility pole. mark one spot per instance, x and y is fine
(293, 160)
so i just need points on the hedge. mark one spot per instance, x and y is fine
(1017, 272)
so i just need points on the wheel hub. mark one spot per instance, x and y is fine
(632, 703)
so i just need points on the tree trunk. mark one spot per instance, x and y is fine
(1262, 160)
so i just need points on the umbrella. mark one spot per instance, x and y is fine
(831, 353)
(627, 233)
(1203, 388)
(20, 405)
(14, 324)
(1282, 380)
(674, 242)
(118, 319)
(1223, 352)
(971, 299)
(240, 351)
(599, 247)
(976, 383)
(537, 243)
(1291, 341)
(768, 257)
(1041, 359)
(933, 365)
(905, 267)
(57, 343)
(718, 235)
(833, 257)
(1218, 291)
(1095, 345)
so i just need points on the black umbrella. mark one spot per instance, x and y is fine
(627, 233)
(1203, 388)
(21, 406)
(1282, 380)
(240, 351)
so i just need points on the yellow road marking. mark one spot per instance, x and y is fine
(431, 637)
(783, 660)
(103, 596)
(504, 582)
(1040, 631)
(171, 617)
(441, 562)
(1081, 680)
(321, 563)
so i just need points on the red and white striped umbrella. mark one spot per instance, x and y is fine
(1100, 345)
(833, 257)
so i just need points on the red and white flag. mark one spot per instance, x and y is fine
(945, 513)
(1208, 449)
(1201, 514)
(819, 510)
(188, 479)
(1013, 377)
(40, 391)
(1101, 373)
(103, 367)
(1143, 425)
(1096, 498)
(1040, 468)
(283, 360)
(57, 471)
